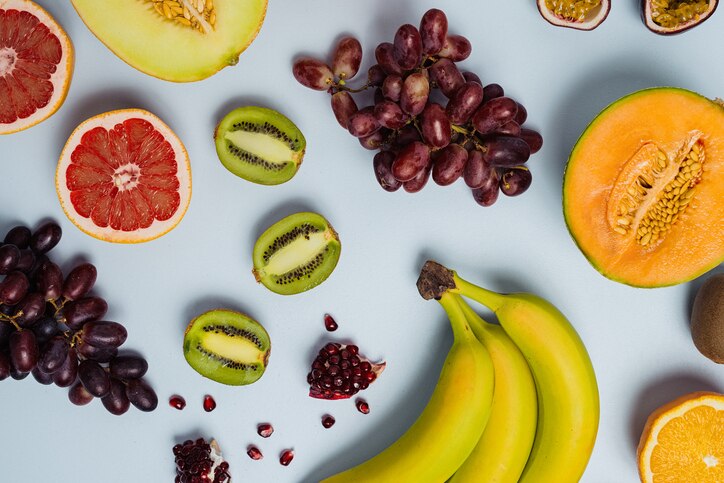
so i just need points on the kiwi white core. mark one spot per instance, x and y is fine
(261, 145)
(232, 348)
(302, 249)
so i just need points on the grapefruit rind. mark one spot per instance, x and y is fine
(107, 121)
(60, 78)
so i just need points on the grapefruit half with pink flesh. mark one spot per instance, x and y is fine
(124, 177)
(36, 65)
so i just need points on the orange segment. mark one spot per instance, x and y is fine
(684, 441)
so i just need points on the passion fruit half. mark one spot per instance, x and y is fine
(575, 14)
(668, 17)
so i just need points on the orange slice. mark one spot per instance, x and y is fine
(124, 177)
(683, 441)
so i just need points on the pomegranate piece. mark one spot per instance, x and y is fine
(329, 323)
(339, 372)
(362, 406)
(328, 421)
(209, 403)
(200, 462)
(177, 402)
(286, 457)
(264, 430)
(254, 452)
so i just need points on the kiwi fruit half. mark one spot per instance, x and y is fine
(707, 319)
(227, 347)
(296, 253)
(260, 145)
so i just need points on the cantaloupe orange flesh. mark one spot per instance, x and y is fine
(643, 193)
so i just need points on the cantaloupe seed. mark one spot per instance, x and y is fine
(197, 14)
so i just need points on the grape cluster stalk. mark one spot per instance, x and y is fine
(51, 327)
(429, 118)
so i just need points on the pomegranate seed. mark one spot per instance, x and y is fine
(339, 372)
(264, 430)
(254, 452)
(330, 323)
(209, 403)
(328, 421)
(177, 402)
(286, 457)
(362, 406)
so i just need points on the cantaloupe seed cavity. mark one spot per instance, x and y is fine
(652, 190)
(234, 347)
(199, 15)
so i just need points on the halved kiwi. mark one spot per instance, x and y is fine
(227, 347)
(296, 253)
(260, 145)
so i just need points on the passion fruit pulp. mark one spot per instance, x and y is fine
(575, 14)
(668, 17)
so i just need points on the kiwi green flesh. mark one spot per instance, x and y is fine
(707, 319)
(296, 254)
(260, 145)
(227, 347)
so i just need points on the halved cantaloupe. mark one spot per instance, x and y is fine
(175, 40)
(643, 192)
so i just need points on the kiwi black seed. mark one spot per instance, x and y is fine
(296, 253)
(260, 145)
(227, 346)
(707, 319)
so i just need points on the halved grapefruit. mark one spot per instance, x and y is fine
(124, 177)
(36, 65)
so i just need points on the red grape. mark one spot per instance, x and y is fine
(30, 309)
(104, 335)
(472, 77)
(505, 151)
(414, 94)
(407, 45)
(67, 373)
(4, 366)
(116, 401)
(493, 114)
(9, 258)
(128, 367)
(374, 141)
(435, 126)
(19, 236)
(477, 170)
(390, 115)
(447, 76)
(522, 114)
(46, 237)
(53, 354)
(141, 395)
(78, 312)
(491, 91)
(405, 136)
(463, 104)
(42, 377)
(313, 73)
(391, 87)
(363, 122)
(487, 194)
(50, 280)
(511, 128)
(347, 58)
(411, 161)
(386, 60)
(13, 288)
(78, 395)
(79, 281)
(343, 106)
(456, 48)
(376, 75)
(418, 182)
(433, 30)
(449, 164)
(24, 350)
(515, 181)
(98, 354)
(94, 378)
(532, 138)
(383, 171)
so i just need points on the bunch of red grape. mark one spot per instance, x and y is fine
(428, 117)
(50, 327)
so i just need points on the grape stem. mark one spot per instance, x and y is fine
(341, 87)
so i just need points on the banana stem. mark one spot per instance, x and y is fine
(493, 300)
(455, 313)
(476, 322)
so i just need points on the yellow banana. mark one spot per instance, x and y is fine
(451, 423)
(504, 447)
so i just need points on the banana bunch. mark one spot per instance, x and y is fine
(514, 403)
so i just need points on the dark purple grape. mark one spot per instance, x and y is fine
(505, 151)
(40, 260)
(42, 377)
(405, 136)
(128, 367)
(414, 94)
(94, 378)
(433, 30)
(79, 281)
(374, 141)
(86, 309)
(363, 123)
(27, 261)
(68, 372)
(418, 182)
(487, 194)
(53, 354)
(392, 87)
(449, 164)
(532, 138)
(390, 115)
(46, 237)
(407, 47)
(386, 59)
(472, 77)
(104, 335)
(477, 170)
(50, 281)
(18, 375)
(5, 330)
(5, 367)
(13, 288)
(493, 114)
(492, 91)
(19, 236)
(116, 401)
(97, 354)
(383, 171)
(435, 126)
(141, 395)
(463, 104)
(9, 258)
(456, 48)
(411, 161)
(24, 350)
(44, 329)
(346, 58)
(522, 114)
(515, 181)
(343, 106)
(313, 73)
(447, 76)
(376, 75)
(78, 395)
(30, 309)
(510, 128)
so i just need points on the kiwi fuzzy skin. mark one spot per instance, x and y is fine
(707, 319)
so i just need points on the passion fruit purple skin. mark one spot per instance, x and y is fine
(593, 20)
(648, 19)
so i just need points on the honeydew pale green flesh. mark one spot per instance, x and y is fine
(296, 254)
(167, 49)
(274, 141)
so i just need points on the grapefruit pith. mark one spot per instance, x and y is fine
(124, 177)
(36, 65)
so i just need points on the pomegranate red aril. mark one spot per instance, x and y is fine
(384, 54)
(392, 87)
(254, 452)
(464, 103)
(286, 457)
(493, 114)
(415, 93)
(532, 138)
(407, 47)
(515, 181)
(449, 164)
(382, 164)
(390, 115)
(177, 402)
(456, 48)
(411, 161)
(505, 151)
(347, 58)
(433, 30)
(313, 73)
(200, 462)
(343, 107)
(329, 323)
(435, 126)
(264, 430)
(209, 403)
(328, 421)
(331, 376)
(492, 91)
(362, 406)
(446, 76)
(363, 123)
